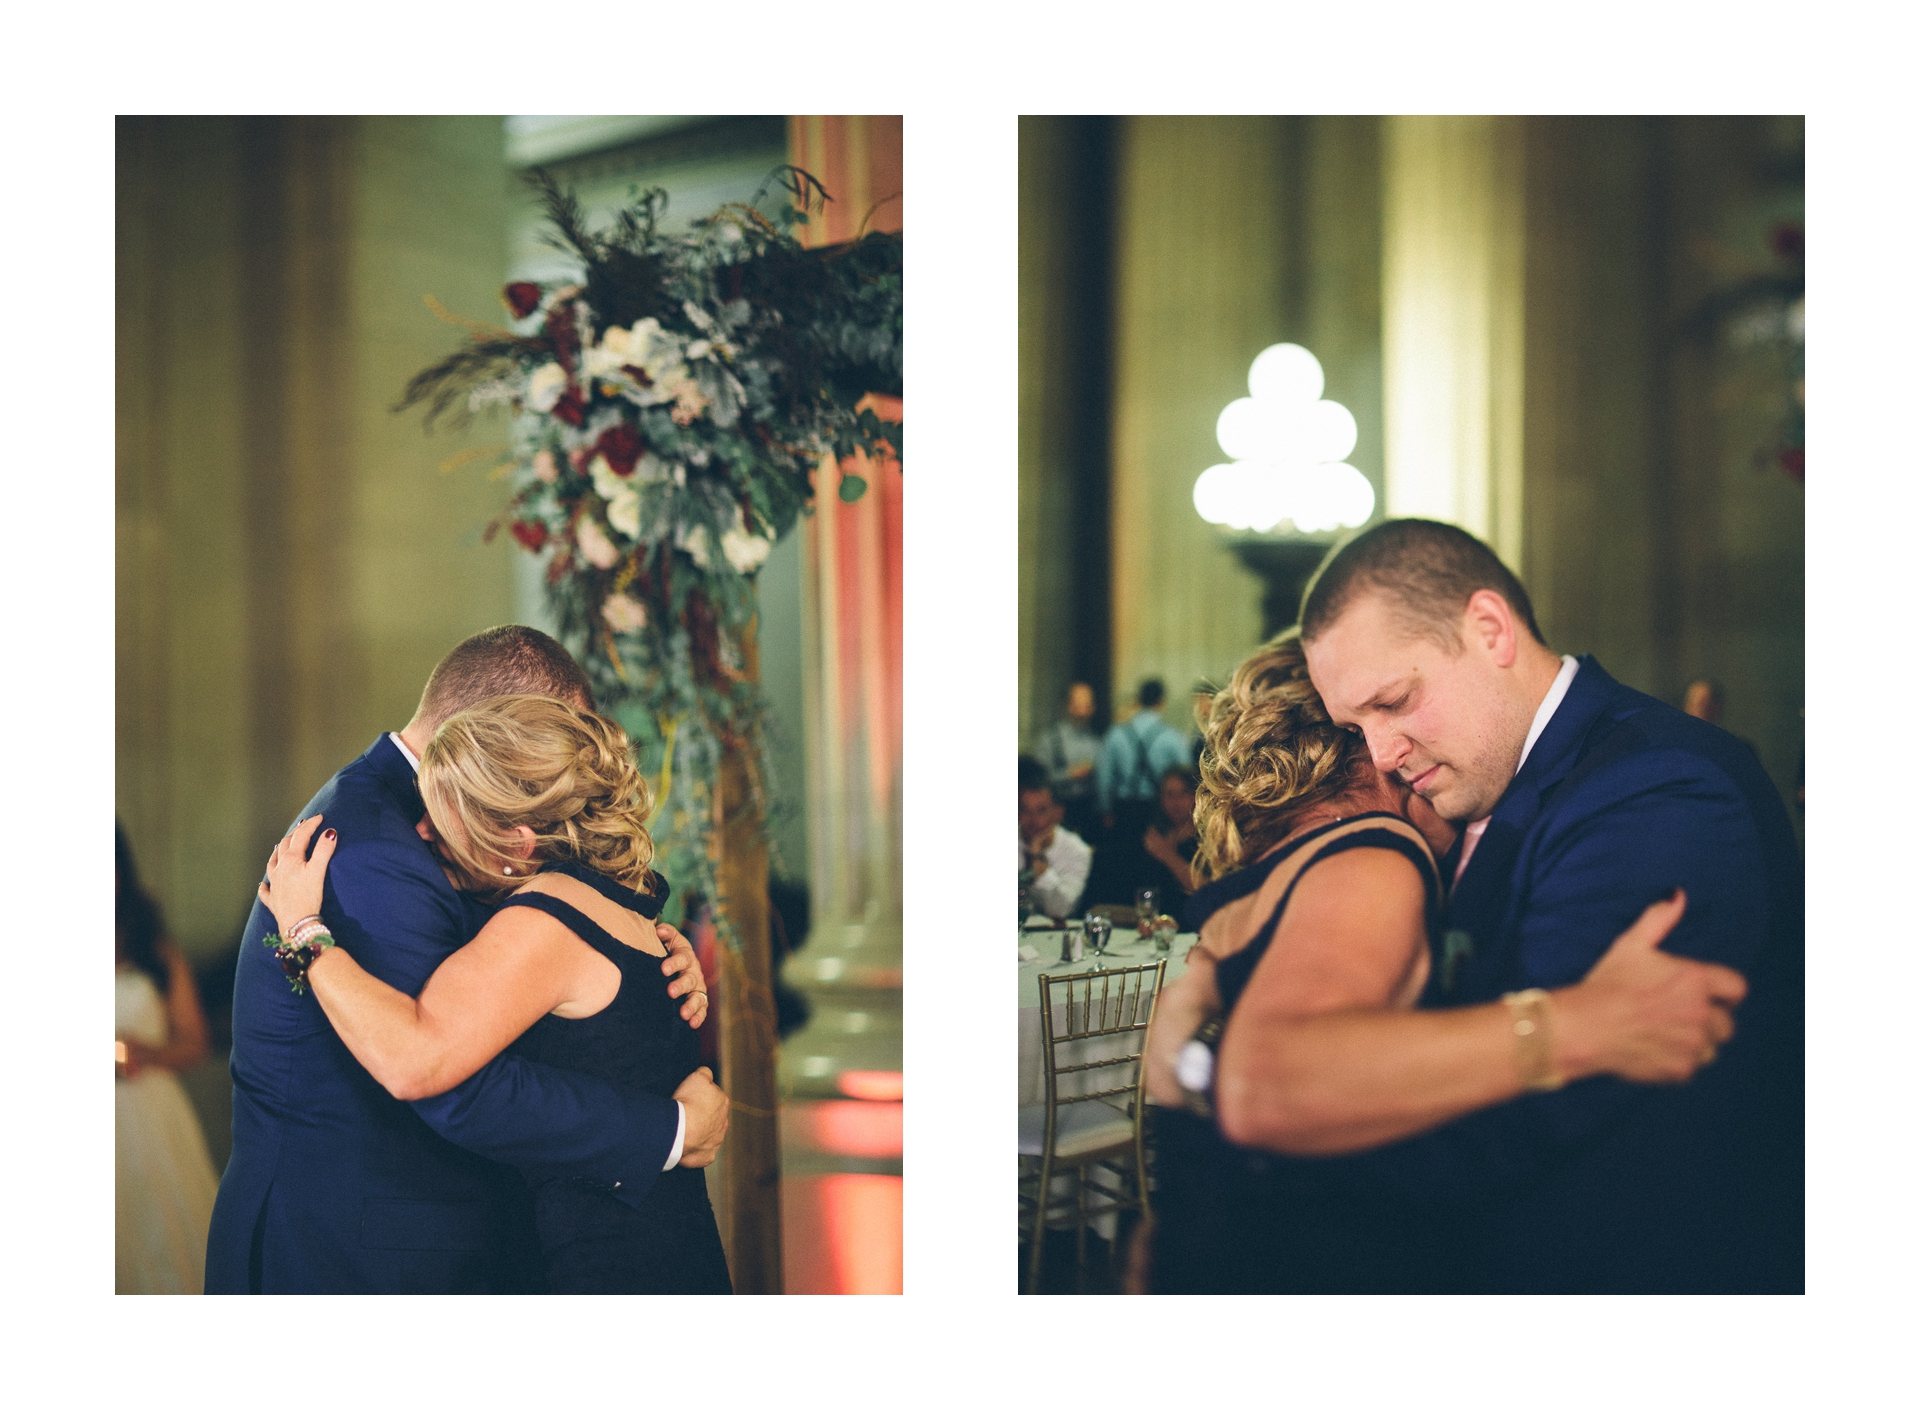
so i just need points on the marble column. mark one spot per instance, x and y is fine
(1453, 289)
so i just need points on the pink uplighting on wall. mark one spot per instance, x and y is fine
(872, 1086)
(842, 1233)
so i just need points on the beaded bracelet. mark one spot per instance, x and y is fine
(299, 932)
(297, 955)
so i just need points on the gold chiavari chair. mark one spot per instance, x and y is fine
(1094, 1029)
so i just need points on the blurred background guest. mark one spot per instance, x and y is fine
(1070, 749)
(1159, 855)
(1202, 704)
(164, 1181)
(1704, 700)
(1054, 861)
(1134, 757)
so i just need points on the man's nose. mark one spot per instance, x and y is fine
(1388, 749)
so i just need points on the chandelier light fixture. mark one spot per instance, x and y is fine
(1289, 449)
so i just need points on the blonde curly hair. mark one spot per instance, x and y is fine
(1269, 753)
(533, 761)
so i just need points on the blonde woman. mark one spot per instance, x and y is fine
(1290, 1044)
(540, 805)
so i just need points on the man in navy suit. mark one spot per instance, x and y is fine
(1579, 803)
(336, 1186)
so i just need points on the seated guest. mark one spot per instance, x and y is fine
(1053, 861)
(1171, 840)
(1069, 748)
(1160, 855)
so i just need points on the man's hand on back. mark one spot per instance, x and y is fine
(683, 967)
(1644, 1014)
(707, 1108)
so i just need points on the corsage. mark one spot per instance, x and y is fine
(299, 948)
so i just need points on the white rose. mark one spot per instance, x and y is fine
(545, 387)
(623, 614)
(744, 551)
(602, 361)
(609, 484)
(597, 548)
(622, 497)
(623, 512)
(694, 541)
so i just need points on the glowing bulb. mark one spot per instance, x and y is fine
(1213, 493)
(1329, 432)
(1286, 372)
(1245, 429)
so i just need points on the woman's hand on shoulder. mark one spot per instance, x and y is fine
(295, 881)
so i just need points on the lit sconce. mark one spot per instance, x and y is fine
(1289, 448)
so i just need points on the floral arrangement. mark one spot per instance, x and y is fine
(670, 410)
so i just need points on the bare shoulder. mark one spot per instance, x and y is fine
(1353, 929)
(523, 924)
(1363, 884)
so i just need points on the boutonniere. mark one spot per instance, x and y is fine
(1455, 946)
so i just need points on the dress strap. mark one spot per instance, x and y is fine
(648, 903)
(578, 922)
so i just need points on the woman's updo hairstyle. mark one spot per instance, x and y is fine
(1269, 754)
(532, 761)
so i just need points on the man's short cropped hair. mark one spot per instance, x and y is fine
(509, 660)
(1427, 569)
(1033, 774)
(1152, 692)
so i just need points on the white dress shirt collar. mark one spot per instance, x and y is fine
(407, 754)
(1555, 694)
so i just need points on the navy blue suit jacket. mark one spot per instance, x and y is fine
(336, 1186)
(1606, 1186)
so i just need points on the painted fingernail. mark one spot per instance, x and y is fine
(329, 834)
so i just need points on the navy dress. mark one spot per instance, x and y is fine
(1231, 1219)
(590, 1241)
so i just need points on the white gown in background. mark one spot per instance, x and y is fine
(164, 1181)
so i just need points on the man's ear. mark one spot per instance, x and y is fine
(1490, 626)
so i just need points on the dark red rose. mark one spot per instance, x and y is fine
(531, 533)
(571, 408)
(622, 446)
(1794, 463)
(523, 298)
(561, 334)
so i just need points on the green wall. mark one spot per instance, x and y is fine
(291, 562)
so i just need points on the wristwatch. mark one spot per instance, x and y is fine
(1193, 1067)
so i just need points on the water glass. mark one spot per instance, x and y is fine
(1099, 933)
(1164, 929)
